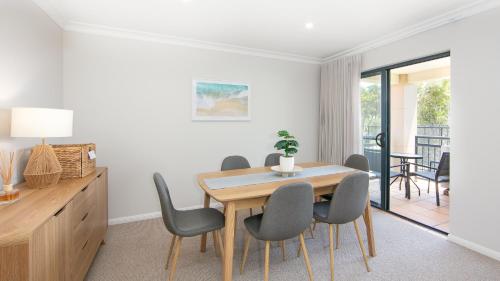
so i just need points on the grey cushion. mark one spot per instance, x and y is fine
(186, 223)
(195, 222)
(355, 161)
(288, 213)
(321, 210)
(348, 203)
(234, 162)
(272, 159)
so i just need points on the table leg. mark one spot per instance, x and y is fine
(407, 180)
(203, 244)
(227, 265)
(369, 229)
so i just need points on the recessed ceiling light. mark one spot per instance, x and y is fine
(309, 25)
(185, 1)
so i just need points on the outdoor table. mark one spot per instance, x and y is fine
(404, 160)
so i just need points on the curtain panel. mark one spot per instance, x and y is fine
(340, 110)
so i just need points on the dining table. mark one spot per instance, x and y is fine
(251, 188)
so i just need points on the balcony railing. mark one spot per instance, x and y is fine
(429, 143)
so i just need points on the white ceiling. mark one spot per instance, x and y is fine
(271, 25)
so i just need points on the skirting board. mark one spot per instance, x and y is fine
(475, 247)
(153, 215)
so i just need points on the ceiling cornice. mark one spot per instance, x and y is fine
(172, 40)
(51, 11)
(432, 23)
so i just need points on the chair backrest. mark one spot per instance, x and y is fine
(272, 159)
(444, 165)
(357, 161)
(288, 212)
(167, 208)
(350, 199)
(374, 159)
(234, 162)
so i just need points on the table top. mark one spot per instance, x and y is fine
(264, 189)
(406, 155)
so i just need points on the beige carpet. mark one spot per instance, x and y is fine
(137, 251)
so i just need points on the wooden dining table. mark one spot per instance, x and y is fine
(256, 195)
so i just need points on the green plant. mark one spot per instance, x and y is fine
(288, 143)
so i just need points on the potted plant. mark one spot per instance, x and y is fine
(289, 146)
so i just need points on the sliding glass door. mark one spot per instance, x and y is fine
(374, 119)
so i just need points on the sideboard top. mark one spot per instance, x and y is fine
(36, 206)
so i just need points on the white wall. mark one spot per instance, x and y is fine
(475, 131)
(133, 99)
(30, 67)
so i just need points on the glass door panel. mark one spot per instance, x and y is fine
(374, 134)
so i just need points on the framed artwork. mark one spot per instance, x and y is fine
(220, 101)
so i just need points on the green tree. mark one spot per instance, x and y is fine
(370, 108)
(433, 102)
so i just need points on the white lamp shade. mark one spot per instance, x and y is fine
(32, 122)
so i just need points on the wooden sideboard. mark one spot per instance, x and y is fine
(53, 234)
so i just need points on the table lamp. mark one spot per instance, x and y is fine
(43, 168)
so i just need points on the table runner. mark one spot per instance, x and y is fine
(259, 178)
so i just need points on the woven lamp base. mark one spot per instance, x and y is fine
(43, 168)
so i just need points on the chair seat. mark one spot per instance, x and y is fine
(195, 222)
(431, 175)
(321, 210)
(252, 224)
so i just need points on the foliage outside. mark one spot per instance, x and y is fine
(288, 143)
(433, 102)
(432, 106)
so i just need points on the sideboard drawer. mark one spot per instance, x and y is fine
(84, 202)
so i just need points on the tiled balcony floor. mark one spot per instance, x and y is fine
(421, 208)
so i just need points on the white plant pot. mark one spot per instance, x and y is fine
(287, 163)
(8, 187)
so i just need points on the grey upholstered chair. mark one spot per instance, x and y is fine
(272, 159)
(355, 161)
(186, 223)
(234, 162)
(288, 213)
(346, 206)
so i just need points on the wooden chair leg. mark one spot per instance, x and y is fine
(251, 212)
(361, 245)
(175, 257)
(428, 186)
(306, 256)
(220, 243)
(266, 261)
(245, 252)
(330, 227)
(311, 230)
(216, 246)
(314, 225)
(283, 252)
(172, 243)
(337, 234)
(262, 208)
(437, 193)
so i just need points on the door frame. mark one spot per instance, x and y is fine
(385, 72)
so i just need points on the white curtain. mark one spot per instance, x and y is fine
(340, 110)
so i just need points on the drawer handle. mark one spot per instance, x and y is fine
(60, 211)
(85, 245)
(85, 188)
(85, 216)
